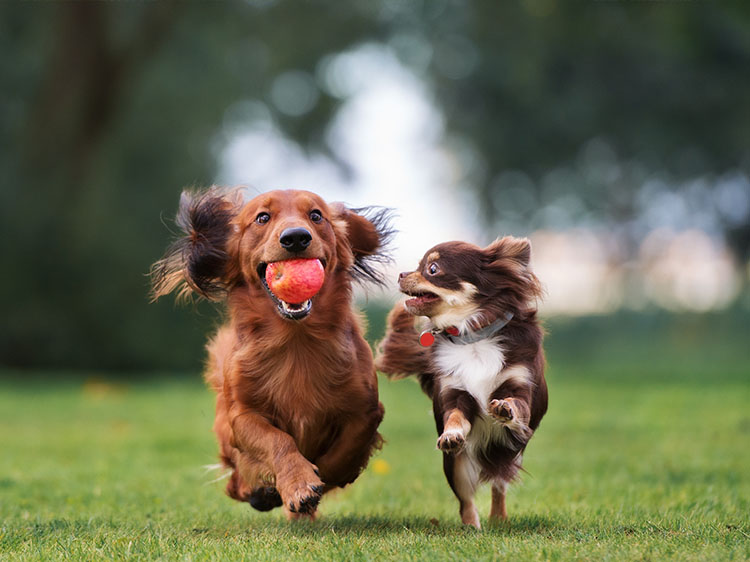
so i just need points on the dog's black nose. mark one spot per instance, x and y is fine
(295, 239)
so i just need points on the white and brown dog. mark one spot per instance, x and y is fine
(481, 362)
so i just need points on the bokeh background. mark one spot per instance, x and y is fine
(615, 135)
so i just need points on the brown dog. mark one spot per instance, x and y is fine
(482, 363)
(297, 407)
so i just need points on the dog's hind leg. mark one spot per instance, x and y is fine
(463, 475)
(348, 456)
(497, 511)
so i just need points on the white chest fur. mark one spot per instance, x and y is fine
(479, 369)
(476, 368)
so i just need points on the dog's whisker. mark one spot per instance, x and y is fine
(218, 478)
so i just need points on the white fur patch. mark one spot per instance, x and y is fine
(478, 368)
(466, 476)
(483, 431)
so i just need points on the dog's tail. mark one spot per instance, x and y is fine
(399, 353)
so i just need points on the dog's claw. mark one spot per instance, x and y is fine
(309, 504)
(450, 442)
(501, 410)
(306, 500)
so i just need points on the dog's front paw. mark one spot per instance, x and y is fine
(300, 488)
(501, 410)
(451, 441)
(264, 498)
(306, 499)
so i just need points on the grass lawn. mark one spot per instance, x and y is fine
(642, 459)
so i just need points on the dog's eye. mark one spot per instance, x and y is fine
(433, 268)
(262, 218)
(315, 216)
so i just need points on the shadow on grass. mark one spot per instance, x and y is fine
(381, 524)
(349, 525)
(522, 527)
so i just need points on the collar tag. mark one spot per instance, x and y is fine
(426, 338)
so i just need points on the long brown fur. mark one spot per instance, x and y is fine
(460, 282)
(297, 407)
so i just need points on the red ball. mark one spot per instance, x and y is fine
(295, 281)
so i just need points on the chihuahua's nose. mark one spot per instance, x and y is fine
(402, 275)
(295, 239)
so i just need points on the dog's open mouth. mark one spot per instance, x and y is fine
(291, 311)
(420, 298)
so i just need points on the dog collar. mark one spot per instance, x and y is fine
(427, 338)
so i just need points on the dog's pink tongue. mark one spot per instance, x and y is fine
(295, 281)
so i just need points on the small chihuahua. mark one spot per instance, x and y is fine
(480, 360)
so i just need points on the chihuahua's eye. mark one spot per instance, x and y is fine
(315, 216)
(262, 218)
(433, 268)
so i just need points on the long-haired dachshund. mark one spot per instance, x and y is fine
(297, 407)
(481, 363)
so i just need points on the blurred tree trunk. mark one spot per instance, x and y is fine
(87, 75)
(84, 80)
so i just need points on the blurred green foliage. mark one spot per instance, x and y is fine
(108, 110)
(113, 111)
(570, 108)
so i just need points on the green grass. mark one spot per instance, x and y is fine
(635, 460)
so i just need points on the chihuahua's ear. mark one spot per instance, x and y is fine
(198, 261)
(508, 266)
(368, 233)
(512, 249)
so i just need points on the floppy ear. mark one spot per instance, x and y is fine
(198, 261)
(369, 233)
